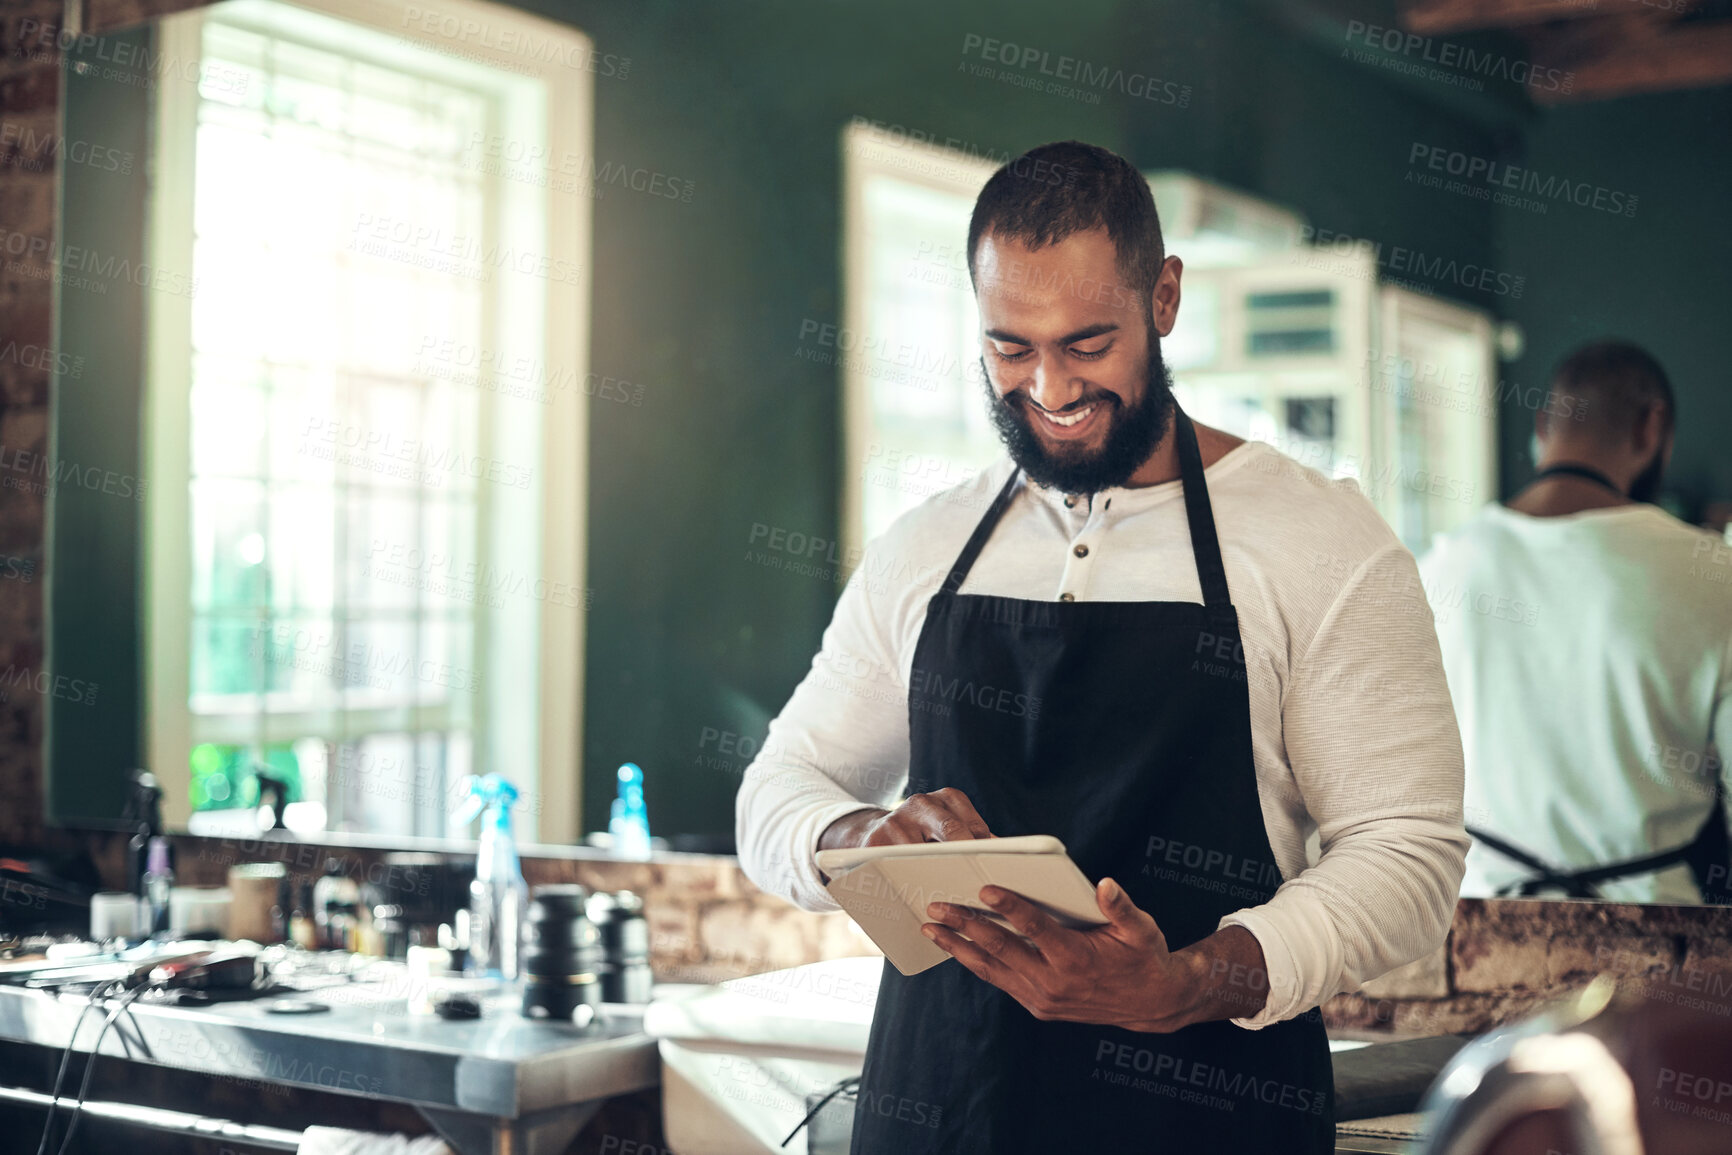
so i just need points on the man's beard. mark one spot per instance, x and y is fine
(1132, 433)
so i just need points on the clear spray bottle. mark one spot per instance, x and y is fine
(498, 896)
(629, 823)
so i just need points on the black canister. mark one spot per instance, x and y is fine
(412, 896)
(562, 954)
(626, 976)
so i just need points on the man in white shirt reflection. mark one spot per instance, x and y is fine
(1587, 637)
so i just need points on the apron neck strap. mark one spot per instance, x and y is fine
(1586, 472)
(982, 531)
(1205, 545)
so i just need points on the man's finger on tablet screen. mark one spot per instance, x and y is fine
(960, 805)
(940, 821)
(898, 828)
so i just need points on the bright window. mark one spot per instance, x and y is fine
(908, 353)
(374, 507)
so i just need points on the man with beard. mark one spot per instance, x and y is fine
(1589, 651)
(1182, 654)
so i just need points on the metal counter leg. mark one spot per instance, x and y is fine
(543, 1133)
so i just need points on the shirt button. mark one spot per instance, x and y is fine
(1067, 597)
(1081, 551)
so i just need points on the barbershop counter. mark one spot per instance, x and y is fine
(496, 1083)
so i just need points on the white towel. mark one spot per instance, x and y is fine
(338, 1141)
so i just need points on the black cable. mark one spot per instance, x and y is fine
(96, 996)
(852, 1082)
(90, 1066)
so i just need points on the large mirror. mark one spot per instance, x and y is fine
(476, 387)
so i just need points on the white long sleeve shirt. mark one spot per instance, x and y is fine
(1590, 659)
(1357, 755)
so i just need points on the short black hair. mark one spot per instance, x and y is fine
(1055, 190)
(1616, 381)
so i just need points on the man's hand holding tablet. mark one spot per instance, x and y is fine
(1057, 965)
(942, 816)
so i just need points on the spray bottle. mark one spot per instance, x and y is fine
(629, 823)
(498, 896)
(143, 816)
(158, 885)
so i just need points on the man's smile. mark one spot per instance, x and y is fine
(1068, 426)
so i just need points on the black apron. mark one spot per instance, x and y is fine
(1707, 855)
(1124, 729)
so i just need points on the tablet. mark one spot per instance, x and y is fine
(885, 889)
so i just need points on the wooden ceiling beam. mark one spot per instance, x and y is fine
(1443, 17)
(1642, 58)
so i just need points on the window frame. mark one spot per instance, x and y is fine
(869, 151)
(566, 100)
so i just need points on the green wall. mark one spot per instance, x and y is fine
(94, 596)
(1661, 277)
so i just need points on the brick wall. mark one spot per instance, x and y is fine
(1506, 957)
(1503, 958)
(29, 101)
(707, 921)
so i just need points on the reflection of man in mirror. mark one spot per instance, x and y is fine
(1164, 615)
(1590, 656)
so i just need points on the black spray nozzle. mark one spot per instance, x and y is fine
(278, 789)
(143, 810)
(143, 816)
